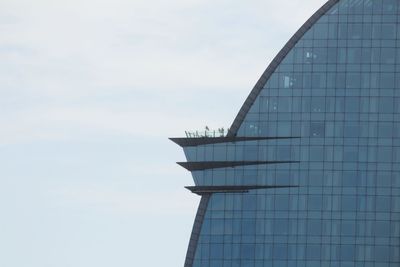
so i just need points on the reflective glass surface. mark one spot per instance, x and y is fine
(338, 90)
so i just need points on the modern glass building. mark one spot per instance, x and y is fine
(309, 173)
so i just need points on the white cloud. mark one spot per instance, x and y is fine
(123, 202)
(57, 53)
(82, 72)
(166, 45)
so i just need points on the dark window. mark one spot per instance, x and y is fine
(317, 129)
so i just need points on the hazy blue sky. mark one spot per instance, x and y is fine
(89, 92)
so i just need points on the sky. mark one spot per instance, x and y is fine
(90, 91)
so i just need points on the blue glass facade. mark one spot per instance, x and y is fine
(327, 122)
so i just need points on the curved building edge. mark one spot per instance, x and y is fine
(242, 113)
(275, 63)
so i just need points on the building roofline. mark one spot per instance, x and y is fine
(203, 190)
(275, 63)
(187, 142)
(207, 165)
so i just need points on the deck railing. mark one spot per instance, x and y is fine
(221, 132)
